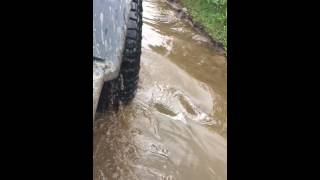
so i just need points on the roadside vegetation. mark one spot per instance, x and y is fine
(212, 14)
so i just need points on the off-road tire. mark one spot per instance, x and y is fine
(125, 86)
(109, 97)
(129, 72)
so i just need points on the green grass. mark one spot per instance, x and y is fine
(212, 14)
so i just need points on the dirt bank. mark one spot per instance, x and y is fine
(184, 14)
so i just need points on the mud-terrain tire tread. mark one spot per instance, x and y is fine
(131, 58)
(124, 87)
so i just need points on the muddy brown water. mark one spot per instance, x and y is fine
(176, 126)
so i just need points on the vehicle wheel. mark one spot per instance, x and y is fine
(129, 72)
(109, 97)
(124, 87)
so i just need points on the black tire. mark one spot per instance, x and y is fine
(125, 86)
(109, 97)
(129, 72)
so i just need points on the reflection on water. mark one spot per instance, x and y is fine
(176, 126)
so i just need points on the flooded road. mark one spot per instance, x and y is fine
(176, 126)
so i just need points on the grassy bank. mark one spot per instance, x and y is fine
(212, 14)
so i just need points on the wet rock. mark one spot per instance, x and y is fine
(181, 14)
(184, 9)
